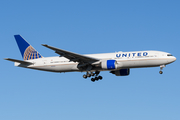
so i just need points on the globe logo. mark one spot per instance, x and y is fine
(30, 53)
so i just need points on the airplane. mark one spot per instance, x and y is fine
(118, 63)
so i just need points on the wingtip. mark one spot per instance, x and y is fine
(43, 44)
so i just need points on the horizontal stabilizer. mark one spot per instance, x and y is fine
(19, 61)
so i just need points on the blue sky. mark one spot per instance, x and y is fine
(84, 27)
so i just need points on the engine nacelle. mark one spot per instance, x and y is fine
(121, 72)
(109, 64)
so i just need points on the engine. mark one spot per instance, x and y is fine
(121, 72)
(109, 64)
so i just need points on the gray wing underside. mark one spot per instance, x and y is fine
(72, 56)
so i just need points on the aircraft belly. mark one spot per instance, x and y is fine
(57, 68)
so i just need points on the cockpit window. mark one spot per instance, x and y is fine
(169, 55)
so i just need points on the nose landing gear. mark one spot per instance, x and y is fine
(161, 68)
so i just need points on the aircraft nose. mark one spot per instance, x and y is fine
(174, 59)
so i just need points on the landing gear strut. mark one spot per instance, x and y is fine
(161, 68)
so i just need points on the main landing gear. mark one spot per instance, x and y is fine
(89, 74)
(161, 67)
(96, 78)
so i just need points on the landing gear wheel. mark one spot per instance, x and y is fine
(88, 75)
(92, 79)
(100, 77)
(160, 72)
(96, 78)
(92, 74)
(85, 76)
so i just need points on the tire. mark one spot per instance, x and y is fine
(160, 72)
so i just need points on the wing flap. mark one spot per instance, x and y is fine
(19, 61)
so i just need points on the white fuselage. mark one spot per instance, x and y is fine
(134, 59)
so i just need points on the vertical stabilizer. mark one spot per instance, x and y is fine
(27, 51)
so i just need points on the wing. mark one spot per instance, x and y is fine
(72, 56)
(19, 61)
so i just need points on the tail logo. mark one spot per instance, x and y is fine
(31, 53)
